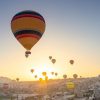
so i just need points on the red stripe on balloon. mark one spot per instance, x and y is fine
(28, 15)
(27, 35)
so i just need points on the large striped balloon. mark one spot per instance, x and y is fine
(28, 27)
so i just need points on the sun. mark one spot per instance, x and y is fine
(43, 68)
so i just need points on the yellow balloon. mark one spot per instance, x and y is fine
(70, 85)
(28, 27)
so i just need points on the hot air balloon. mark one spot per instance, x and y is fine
(64, 76)
(5, 88)
(50, 57)
(28, 27)
(44, 73)
(70, 85)
(75, 76)
(71, 62)
(52, 73)
(17, 79)
(35, 76)
(46, 78)
(32, 70)
(56, 74)
(53, 61)
(40, 79)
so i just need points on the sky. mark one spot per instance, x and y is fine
(72, 32)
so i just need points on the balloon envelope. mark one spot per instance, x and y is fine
(17, 79)
(44, 73)
(32, 70)
(40, 79)
(46, 78)
(53, 61)
(35, 76)
(75, 76)
(5, 86)
(56, 74)
(64, 76)
(28, 27)
(50, 57)
(70, 85)
(52, 73)
(71, 61)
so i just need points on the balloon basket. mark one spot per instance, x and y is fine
(27, 53)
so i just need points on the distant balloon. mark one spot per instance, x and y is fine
(17, 79)
(5, 86)
(32, 70)
(28, 27)
(70, 85)
(53, 61)
(52, 73)
(46, 78)
(56, 74)
(71, 62)
(40, 79)
(44, 73)
(35, 76)
(50, 57)
(64, 76)
(75, 76)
